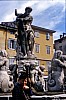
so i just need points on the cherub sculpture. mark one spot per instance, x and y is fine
(5, 83)
(38, 78)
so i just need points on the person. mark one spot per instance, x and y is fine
(19, 90)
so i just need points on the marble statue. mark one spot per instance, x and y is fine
(5, 83)
(37, 78)
(56, 75)
(25, 37)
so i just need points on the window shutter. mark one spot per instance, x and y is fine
(14, 44)
(8, 43)
(37, 48)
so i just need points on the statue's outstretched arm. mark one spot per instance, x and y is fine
(60, 63)
(16, 14)
(19, 15)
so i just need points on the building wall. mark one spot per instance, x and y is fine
(61, 45)
(43, 42)
(11, 52)
(2, 39)
(42, 56)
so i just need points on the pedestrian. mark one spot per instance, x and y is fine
(18, 92)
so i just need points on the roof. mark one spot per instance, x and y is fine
(9, 24)
(60, 39)
(13, 26)
(4, 26)
(43, 29)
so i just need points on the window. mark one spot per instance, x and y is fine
(36, 33)
(12, 44)
(37, 48)
(12, 32)
(12, 61)
(48, 49)
(47, 36)
(60, 47)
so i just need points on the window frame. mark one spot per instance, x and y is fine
(12, 60)
(48, 49)
(36, 33)
(37, 48)
(47, 36)
(11, 45)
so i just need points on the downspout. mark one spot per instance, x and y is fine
(6, 39)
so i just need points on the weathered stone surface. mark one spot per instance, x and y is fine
(5, 83)
(56, 75)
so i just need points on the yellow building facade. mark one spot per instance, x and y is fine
(43, 47)
(5, 35)
(44, 44)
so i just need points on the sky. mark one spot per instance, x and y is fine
(49, 14)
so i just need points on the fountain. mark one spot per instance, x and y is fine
(25, 57)
(27, 62)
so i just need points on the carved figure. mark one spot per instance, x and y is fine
(38, 78)
(56, 75)
(25, 37)
(5, 83)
